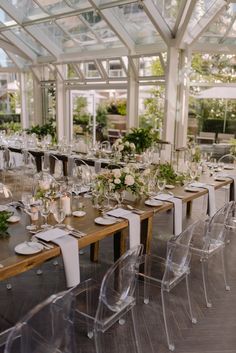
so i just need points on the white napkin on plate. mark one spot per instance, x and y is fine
(178, 210)
(211, 196)
(51, 234)
(70, 254)
(134, 224)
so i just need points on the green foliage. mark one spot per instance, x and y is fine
(166, 171)
(233, 147)
(117, 107)
(43, 130)
(80, 113)
(156, 68)
(11, 126)
(142, 138)
(4, 215)
(153, 115)
(101, 115)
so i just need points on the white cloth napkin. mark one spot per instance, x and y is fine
(178, 210)
(51, 234)
(232, 193)
(134, 224)
(211, 196)
(70, 165)
(70, 254)
(46, 160)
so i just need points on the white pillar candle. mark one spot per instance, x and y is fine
(65, 204)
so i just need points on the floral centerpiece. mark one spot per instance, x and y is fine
(4, 215)
(45, 186)
(117, 181)
(124, 148)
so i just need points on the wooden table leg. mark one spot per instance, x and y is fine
(146, 234)
(119, 240)
(189, 208)
(94, 252)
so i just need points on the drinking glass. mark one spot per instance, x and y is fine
(152, 188)
(161, 184)
(193, 170)
(45, 210)
(59, 215)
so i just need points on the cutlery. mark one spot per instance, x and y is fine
(135, 210)
(46, 246)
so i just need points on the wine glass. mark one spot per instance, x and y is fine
(193, 170)
(29, 207)
(45, 209)
(59, 215)
(151, 188)
(161, 184)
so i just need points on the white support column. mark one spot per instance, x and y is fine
(38, 114)
(132, 98)
(170, 96)
(182, 100)
(24, 106)
(61, 118)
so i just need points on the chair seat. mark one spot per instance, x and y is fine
(214, 246)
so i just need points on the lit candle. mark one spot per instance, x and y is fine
(65, 204)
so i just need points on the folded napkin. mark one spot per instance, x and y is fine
(46, 160)
(51, 234)
(178, 210)
(134, 224)
(232, 192)
(211, 209)
(70, 254)
(70, 165)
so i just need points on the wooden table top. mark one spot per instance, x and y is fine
(14, 264)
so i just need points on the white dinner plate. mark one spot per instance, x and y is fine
(3, 208)
(105, 221)
(170, 187)
(154, 203)
(13, 219)
(79, 213)
(220, 179)
(28, 248)
(228, 167)
(191, 189)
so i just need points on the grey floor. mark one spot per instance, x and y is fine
(214, 332)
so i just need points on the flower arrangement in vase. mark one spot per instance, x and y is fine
(125, 149)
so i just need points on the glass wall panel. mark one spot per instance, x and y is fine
(5, 61)
(49, 102)
(150, 66)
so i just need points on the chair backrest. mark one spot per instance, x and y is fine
(118, 285)
(227, 159)
(178, 255)
(48, 328)
(207, 134)
(216, 229)
(224, 137)
(29, 162)
(56, 167)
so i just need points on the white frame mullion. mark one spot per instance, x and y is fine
(194, 33)
(17, 16)
(20, 45)
(182, 29)
(228, 29)
(157, 21)
(101, 69)
(181, 11)
(79, 71)
(5, 45)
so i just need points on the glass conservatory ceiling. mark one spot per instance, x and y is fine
(66, 31)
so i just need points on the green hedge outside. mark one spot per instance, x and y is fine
(216, 125)
(6, 118)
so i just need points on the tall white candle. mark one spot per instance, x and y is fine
(65, 204)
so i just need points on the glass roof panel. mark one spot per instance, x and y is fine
(28, 9)
(30, 42)
(201, 8)
(5, 61)
(55, 6)
(169, 10)
(77, 30)
(5, 20)
(101, 29)
(136, 23)
(21, 62)
(89, 70)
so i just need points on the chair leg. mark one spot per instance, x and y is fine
(98, 341)
(227, 287)
(146, 285)
(205, 280)
(193, 319)
(169, 341)
(136, 335)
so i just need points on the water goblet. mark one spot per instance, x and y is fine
(59, 216)
(161, 184)
(45, 211)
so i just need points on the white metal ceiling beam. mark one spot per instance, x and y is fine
(20, 45)
(44, 40)
(180, 15)
(157, 21)
(194, 33)
(228, 29)
(5, 45)
(17, 15)
(163, 65)
(78, 71)
(214, 48)
(181, 30)
(12, 57)
(101, 69)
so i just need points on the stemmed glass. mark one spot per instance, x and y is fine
(45, 209)
(161, 184)
(59, 216)
(152, 188)
(29, 207)
(193, 170)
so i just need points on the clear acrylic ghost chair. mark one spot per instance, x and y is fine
(28, 170)
(208, 240)
(99, 307)
(169, 272)
(56, 167)
(230, 222)
(48, 328)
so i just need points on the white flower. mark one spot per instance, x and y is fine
(116, 173)
(120, 148)
(193, 151)
(132, 146)
(44, 185)
(129, 180)
(118, 142)
(117, 181)
(127, 143)
(126, 170)
(146, 172)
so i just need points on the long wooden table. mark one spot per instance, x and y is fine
(14, 264)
